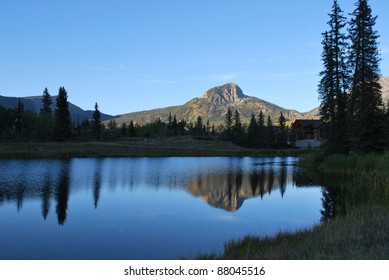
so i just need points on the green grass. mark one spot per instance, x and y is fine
(352, 164)
(363, 234)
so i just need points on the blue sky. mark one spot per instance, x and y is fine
(141, 54)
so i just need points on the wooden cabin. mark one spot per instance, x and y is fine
(307, 133)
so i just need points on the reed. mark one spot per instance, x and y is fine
(363, 234)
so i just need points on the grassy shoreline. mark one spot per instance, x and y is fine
(133, 147)
(361, 233)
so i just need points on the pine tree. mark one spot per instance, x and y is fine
(131, 129)
(19, 122)
(175, 126)
(228, 129)
(252, 131)
(334, 83)
(366, 105)
(199, 126)
(46, 103)
(63, 123)
(237, 127)
(282, 133)
(387, 126)
(96, 122)
(270, 135)
(46, 121)
(261, 133)
(170, 125)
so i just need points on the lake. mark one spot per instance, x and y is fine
(148, 208)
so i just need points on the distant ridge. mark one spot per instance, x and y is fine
(34, 104)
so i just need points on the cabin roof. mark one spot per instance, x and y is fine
(305, 123)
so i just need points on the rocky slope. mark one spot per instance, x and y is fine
(213, 106)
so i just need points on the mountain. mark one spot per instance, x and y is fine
(213, 106)
(384, 81)
(34, 103)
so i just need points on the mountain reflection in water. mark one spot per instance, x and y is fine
(224, 187)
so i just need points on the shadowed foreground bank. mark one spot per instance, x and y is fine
(363, 234)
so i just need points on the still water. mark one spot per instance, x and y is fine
(148, 208)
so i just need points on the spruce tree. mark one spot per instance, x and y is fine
(131, 129)
(237, 126)
(46, 103)
(261, 133)
(270, 135)
(19, 122)
(387, 126)
(175, 126)
(63, 123)
(229, 123)
(46, 122)
(96, 122)
(366, 105)
(282, 133)
(199, 126)
(334, 83)
(252, 131)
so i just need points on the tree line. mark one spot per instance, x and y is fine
(351, 102)
(20, 125)
(257, 134)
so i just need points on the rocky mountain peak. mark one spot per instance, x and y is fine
(228, 93)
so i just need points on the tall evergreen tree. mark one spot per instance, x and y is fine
(261, 133)
(19, 122)
(229, 121)
(282, 133)
(270, 135)
(334, 82)
(46, 121)
(237, 127)
(96, 122)
(131, 129)
(62, 116)
(175, 126)
(366, 105)
(199, 126)
(252, 131)
(387, 126)
(46, 103)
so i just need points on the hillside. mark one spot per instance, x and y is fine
(34, 104)
(384, 81)
(213, 106)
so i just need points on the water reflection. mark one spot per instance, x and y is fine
(229, 191)
(221, 184)
(97, 182)
(62, 193)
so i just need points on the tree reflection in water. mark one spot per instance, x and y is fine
(226, 189)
